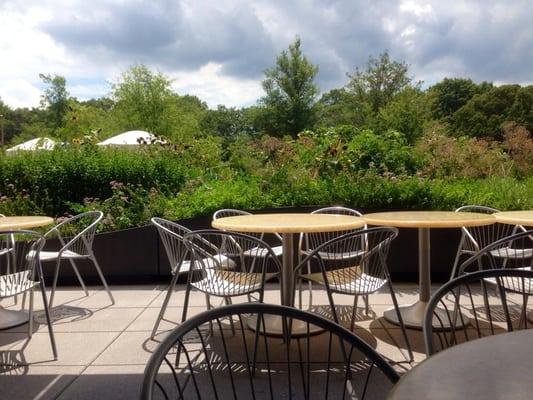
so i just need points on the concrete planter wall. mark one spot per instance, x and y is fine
(136, 255)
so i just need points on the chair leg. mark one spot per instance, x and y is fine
(186, 303)
(227, 300)
(78, 275)
(367, 308)
(354, 312)
(54, 283)
(30, 314)
(170, 290)
(400, 319)
(48, 320)
(457, 257)
(102, 278)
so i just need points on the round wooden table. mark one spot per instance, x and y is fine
(515, 217)
(494, 367)
(289, 226)
(413, 314)
(11, 318)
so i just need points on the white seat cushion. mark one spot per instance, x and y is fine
(348, 280)
(52, 255)
(223, 263)
(262, 252)
(226, 283)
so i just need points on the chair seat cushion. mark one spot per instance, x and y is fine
(348, 280)
(53, 255)
(226, 283)
(220, 261)
(510, 253)
(262, 252)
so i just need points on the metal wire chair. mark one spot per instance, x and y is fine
(473, 239)
(20, 272)
(230, 212)
(464, 310)
(171, 234)
(227, 264)
(309, 241)
(76, 235)
(347, 270)
(195, 362)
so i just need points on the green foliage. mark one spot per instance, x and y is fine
(484, 114)
(379, 82)
(340, 107)
(407, 112)
(450, 94)
(55, 99)
(55, 179)
(290, 92)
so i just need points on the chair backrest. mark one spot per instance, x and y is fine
(225, 263)
(477, 237)
(476, 305)
(202, 359)
(171, 234)
(77, 233)
(341, 260)
(512, 251)
(309, 241)
(19, 266)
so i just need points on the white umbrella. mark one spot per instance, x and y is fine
(131, 138)
(34, 144)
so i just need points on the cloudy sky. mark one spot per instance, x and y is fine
(219, 49)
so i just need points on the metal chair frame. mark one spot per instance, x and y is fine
(457, 297)
(22, 272)
(473, 239)
(213, 265)
(310, 240)
(171, 234)
(230, 212)
(368, 275)
(73, 248)
(217, 375)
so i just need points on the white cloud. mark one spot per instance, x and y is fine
(219, 50)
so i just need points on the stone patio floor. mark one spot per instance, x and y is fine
(103, 348)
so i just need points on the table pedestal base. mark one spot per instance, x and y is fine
(274, 327)
(413, 317)
(12, 318)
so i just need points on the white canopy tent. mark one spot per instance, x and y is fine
(131, 138)
(43, 143)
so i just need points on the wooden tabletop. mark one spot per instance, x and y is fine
(524, 217)
(428, 219)
(13, 223)
(288, 223)
(493, 367)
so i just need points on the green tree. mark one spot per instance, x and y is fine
(55, 99)
(341, 107)
(379, 81)
(485, 113)
(406, 113)
(145, 100)
(451, 94)
(290, 92)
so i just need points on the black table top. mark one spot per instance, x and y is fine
(495, 367)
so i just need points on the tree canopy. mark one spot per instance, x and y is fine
(290, 91)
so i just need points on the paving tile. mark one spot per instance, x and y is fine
(106, 382)
(35, 381)
(125, 296)
(130, 348)
(78, 348)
